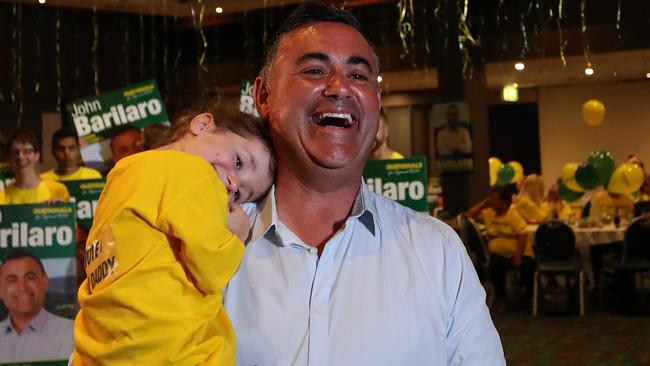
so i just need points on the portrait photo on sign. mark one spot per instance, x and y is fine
(451, 134)
(38, 306)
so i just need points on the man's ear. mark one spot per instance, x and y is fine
(261, 95)
(201, 123)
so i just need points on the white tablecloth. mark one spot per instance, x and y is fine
(590, 236)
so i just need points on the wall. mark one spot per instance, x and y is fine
(564, 137)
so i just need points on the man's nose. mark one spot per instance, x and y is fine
(338, 86)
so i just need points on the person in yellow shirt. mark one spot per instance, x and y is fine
(507, 241)
(165, 241)
(65, 149)
(556, 207)
(605, 203)
(381, 150)
(24, 154)
(529, 201)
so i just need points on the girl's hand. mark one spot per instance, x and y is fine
(238, 222)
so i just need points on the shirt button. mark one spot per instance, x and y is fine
(313, 251)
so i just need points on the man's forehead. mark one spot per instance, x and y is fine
(19, 263)
(317, 29)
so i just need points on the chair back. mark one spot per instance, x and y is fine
(636, 243)
(474, 242)
(554, 242)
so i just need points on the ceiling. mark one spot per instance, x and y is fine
(540, 71)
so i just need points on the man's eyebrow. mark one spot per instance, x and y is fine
(359, 60)
(313, 56)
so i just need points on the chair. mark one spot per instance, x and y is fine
(556, 255)
(475, 245)
(634, 262)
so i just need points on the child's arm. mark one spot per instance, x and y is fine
(238, 222)
(208, 249)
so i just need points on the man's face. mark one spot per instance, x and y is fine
(127, 143)
(22, 286)
(452, 116)
(66, 152)
(497, 204)
(22, 155)
(322, 100)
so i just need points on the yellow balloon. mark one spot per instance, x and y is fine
(593, 112)
(569, 177)
(627, 178)
(519, 171)
(494, 164)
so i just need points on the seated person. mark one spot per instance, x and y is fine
(556, 207)
(606, 203)
(507, 241)
(24, 154)
(65, 149)
(529, 201)
(29, 333)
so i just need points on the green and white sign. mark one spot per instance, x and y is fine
(47, 231)
(86, 194)
(98, 118)
(246, 99)
(6, 175)
(403, 180)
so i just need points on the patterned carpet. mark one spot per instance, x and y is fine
(599, 338)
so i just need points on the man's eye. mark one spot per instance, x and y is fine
(359, 77)
(314, 72)
(237, 162)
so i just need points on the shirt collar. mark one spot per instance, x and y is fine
(37, 324)
(266, 219)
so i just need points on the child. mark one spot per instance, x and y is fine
(160, 253)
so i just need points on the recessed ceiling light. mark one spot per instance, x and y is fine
(379, 78)
(589, 71)
(41, 1)
(519, 66)
(647, 75)
(219, 10)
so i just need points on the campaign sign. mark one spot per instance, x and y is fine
(246, 98)
(6, 175)
(85, 194)
(48, 233)
(97, 119)
(403, 180)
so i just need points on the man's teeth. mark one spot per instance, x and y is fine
(335, 119)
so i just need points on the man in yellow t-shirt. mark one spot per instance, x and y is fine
(65, 149)
(612, 204)
(24, 154)
(507, 241)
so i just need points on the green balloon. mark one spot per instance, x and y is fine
(587, 177)
(604, 164)
(569, 195)
(505, 174)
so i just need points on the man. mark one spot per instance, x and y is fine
(24, 154)
(334, 274)
(65, 149)
(30, 333)
(454, 138)
(125, 142)
(381, 150)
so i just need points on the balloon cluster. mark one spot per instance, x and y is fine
(501, 174)
(599, 170)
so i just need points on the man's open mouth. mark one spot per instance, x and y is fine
(342, 120)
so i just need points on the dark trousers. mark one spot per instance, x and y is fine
(500, 265)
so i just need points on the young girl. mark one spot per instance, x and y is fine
(160, 251)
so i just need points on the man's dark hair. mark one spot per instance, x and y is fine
(62, 133)
(307, 13)
(20, 254)
(505, 193)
